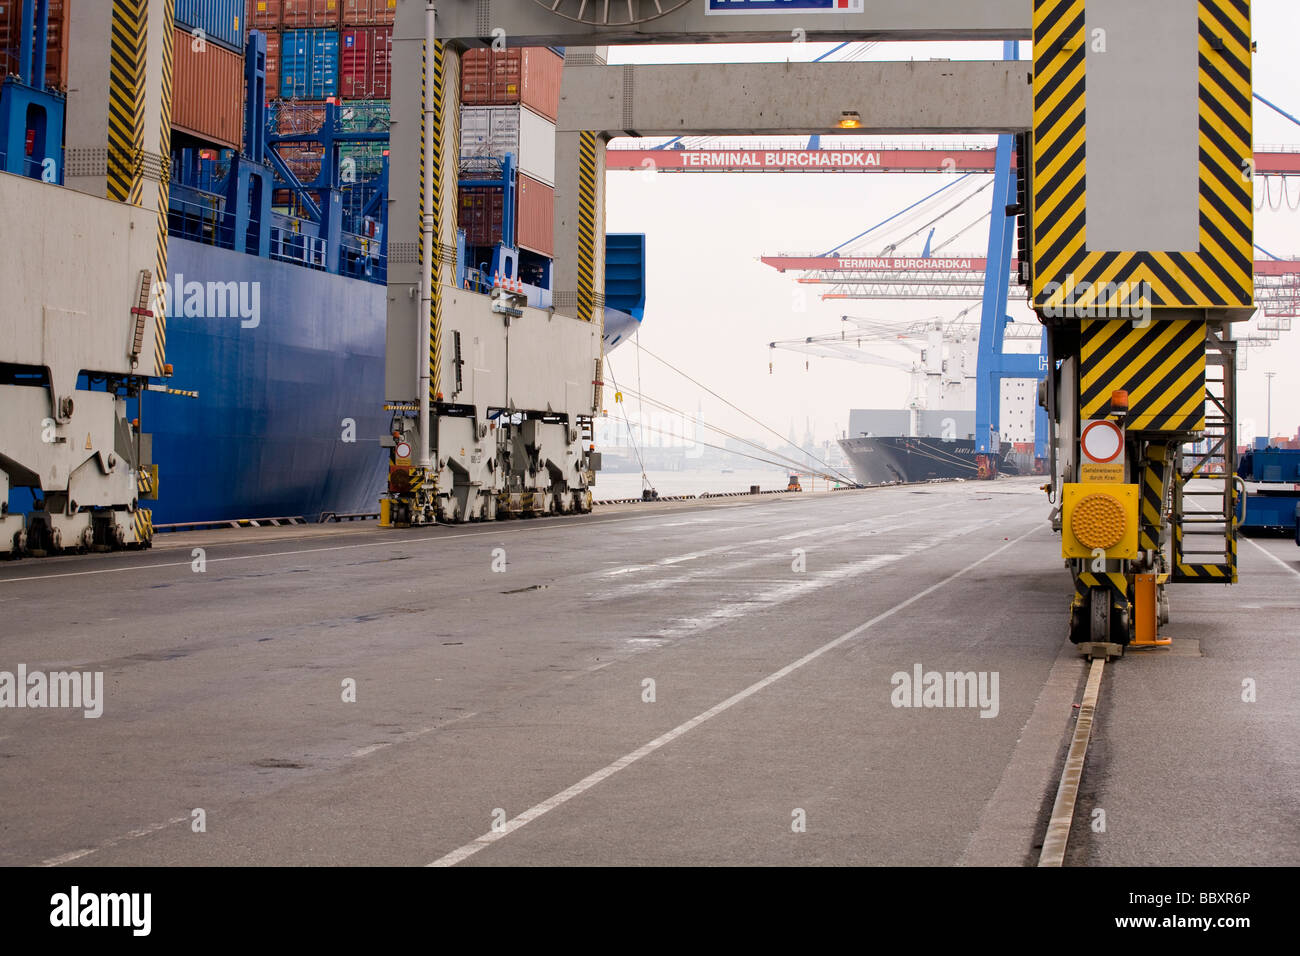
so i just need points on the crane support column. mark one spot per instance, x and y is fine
(580, 218)
(491, 399)
(81, 339)
(993, 315)
(1137, 271)
(424, 148)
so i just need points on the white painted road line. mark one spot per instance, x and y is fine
(598, 522)
(564, 796)
(133, 835)
(387, 542)
(1263, 550)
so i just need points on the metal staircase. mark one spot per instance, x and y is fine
(1206, 490)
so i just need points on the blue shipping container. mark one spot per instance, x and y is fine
(220, 20)
(309, 64)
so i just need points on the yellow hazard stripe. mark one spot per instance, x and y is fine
(436, 158)
(143, 525)
(1115, 581)
(126, 101)
(586, 225)
(424, 99)
(164, 180)
(1161, 366)
(1059, 161)
(1219, 272)
(1153, 499)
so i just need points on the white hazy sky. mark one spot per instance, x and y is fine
(712, 307)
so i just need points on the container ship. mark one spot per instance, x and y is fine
(277, 243)
(933, 437)
(891, 459)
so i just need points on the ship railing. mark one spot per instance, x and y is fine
(363, 257)
(203, 222)
(290, 243)
(32, 168)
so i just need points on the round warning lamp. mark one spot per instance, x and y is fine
(1098, 521)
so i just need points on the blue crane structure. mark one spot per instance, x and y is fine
(993, 363)
(31, 116)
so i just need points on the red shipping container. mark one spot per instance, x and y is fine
(529, 76)
(536, 216)
(366, 63)
(208, 92)
(272, 65)
(482, 215)
(303, 14)
(264, 15)
(56, 47)
(366, 13)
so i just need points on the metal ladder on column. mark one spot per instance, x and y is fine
(1206, 490)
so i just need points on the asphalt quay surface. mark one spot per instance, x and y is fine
(678, 683)
(1197, 760)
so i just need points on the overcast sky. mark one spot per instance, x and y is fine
(712, 307)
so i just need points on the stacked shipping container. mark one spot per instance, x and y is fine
(208, 91)
(515, 77)
(218, 20)
(208, 77)
(326, 48)
(56, 50)
(509, 103)
(309, 64)
(366, 62)
(319, 50)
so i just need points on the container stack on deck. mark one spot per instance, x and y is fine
(509, 103)
(320, 51)
(56, 50)
(208, 82)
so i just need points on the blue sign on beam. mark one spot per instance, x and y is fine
(785, 6)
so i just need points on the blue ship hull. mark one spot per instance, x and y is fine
(266, 436)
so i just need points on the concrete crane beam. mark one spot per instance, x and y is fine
(741, 99)
(528, 23)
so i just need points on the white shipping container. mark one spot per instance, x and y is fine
(496, 130)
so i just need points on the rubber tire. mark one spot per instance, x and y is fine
(1099, 616)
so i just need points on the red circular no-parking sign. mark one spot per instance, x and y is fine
(1102, 441)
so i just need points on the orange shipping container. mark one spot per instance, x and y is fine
(264, 15)
(56, 47)
(368, 13)
(208, 93)
(272, 65)
(530, 76)
(302, 14)
(536, 216)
